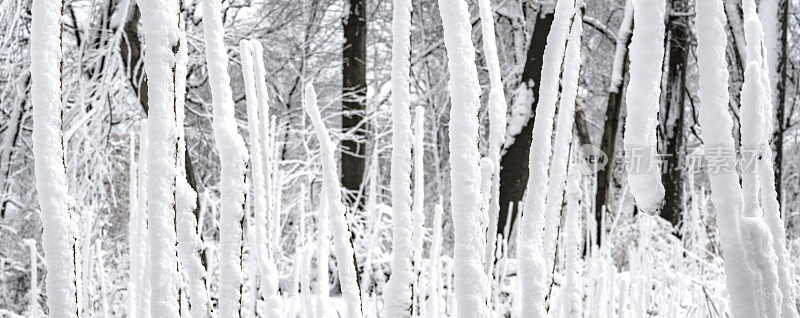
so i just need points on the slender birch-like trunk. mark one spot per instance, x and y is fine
(58, 236)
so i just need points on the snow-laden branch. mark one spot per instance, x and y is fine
(267, 271)
(345, 257)
(497, 125)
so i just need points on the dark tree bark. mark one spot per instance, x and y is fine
(514, 171)
(672, 119)
(608, 147)
(354, 90)
(780, 112)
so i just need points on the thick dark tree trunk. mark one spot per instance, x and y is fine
(354, 90)
(673, 112)
(514, 172)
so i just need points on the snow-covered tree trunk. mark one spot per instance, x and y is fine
(141, 275)
(233, 161)
(190, 244)
(397, 293)
(497, 125)
(757, 157)
(646, 55)
(563, 138)
(419, 201)
(531, 263)
(266, 266)
(58, 236)
(471, 282)
(160, 25)
(716, 124)
(572, 292)
(768, 185)
(345, 257)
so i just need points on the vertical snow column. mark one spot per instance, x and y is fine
(646, 56)
(160, 25)
(58, 236)
(233, 157)
(271, 269)
(134, 235)
(419, 201)
(497, 125)
(266, 266)
(397, 294)
(716, 124)
(142, 275)
(345, 257)
(532, 272)
(435, 264)
(572, 294)
(471, 282)
(756, 236)
(768, 12)
(264, 132)
(563, 136)
(190, 244)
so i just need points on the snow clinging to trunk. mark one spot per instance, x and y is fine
(642, 96)
(471, 282)
(58, 240)
(398, 294)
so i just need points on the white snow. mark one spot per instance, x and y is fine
(716, 124)
(471, 282)
(233, 156)
(531, 264)
(419, 200)
(58, 239)
(398, 301)
(268, 276)
(161, 33)
(345, 258)
(642, 100)
(497, 125)
(621, 49)
(561, 145)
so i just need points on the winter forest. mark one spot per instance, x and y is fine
(399, 158)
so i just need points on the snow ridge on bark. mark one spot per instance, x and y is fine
(646, 56)
(471, 282)
(397, 293)
(531, 267)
